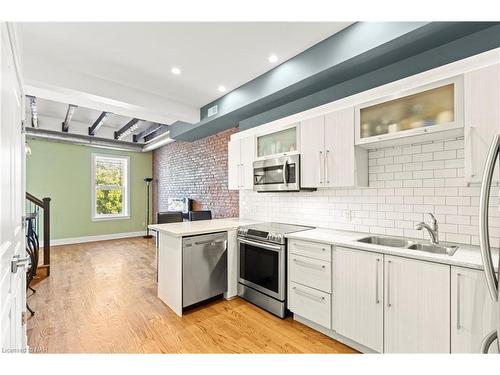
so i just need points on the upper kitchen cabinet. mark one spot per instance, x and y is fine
(425, 113)
(329, 157)
(482, 119)
(240, 162)
(282, 142)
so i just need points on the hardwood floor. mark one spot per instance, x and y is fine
(101, 298)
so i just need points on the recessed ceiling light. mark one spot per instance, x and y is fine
(222, 88)
(273, 58)
(175, 70)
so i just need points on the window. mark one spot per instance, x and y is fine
(110, 187)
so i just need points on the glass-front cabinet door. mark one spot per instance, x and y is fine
(427, 109)
(277, 143)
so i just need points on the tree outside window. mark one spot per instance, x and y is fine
(110, 184)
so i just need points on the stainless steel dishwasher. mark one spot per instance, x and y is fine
(204, 267)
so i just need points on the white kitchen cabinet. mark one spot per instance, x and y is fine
(310, 303)
(358, 297)
(240, 163)
(482, 119)
(281, 142)
(429, 112)
(328, 155)
(311, 272)
(472, 312)
(316, 250)
(417, 306)
(312, 135)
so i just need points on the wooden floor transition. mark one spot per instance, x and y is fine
(101, 298)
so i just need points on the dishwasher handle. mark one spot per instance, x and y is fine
(211, 242)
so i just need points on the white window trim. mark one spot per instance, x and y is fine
(126, 211)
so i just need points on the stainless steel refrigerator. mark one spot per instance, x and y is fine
(484, 240)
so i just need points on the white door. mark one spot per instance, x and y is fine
(358, 297)
(339, 148)
(234, 165)
(482, 119)
(473, 315)
(417, 306)
(12, 240)
(312, 149)
(247, 152)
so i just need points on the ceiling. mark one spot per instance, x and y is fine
(141, 55)
(125, 67)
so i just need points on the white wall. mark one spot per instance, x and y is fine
(405, 182)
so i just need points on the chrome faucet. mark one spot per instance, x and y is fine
(433, 231)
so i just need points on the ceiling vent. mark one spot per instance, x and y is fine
(212, 111)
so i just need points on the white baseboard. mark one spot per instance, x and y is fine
(102, 237)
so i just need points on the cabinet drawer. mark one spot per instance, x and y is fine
(311, 272)
(310, 304)
(311, 249)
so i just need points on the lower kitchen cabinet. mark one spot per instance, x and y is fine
(358, 306)
(417, 306)
(472, 311)
(311, 304)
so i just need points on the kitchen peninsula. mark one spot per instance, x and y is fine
(170, 256)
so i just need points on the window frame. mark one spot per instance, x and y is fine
(125, 188)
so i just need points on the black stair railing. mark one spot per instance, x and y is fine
(33, 207)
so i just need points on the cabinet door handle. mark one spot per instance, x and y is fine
(239, 175)
(309, 264)
(327, 179)
(242, 166)
(321, 162)
(305, 247)
(389, 283)
(377, 299)
(309, 295)
(458, 301)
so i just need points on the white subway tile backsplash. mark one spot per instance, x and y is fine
(454, 163)
(402, 159)
(412, 149)
(447, 173)
(454, 144)
(403, 175)
(405, 182)
(436, 164)
(445, 155)
(431, 147)
(423, 174)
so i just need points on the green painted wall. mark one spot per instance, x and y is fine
(62, 172)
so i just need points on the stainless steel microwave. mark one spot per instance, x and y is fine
(277, 174)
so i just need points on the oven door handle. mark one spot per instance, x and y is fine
(262, 245)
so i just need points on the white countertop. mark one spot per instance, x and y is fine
(191, 228)
(466, 256)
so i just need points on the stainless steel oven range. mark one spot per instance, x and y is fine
(262, 264)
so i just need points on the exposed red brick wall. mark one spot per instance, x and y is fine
(197, 170)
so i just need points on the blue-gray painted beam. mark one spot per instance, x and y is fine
(459, 49)
(355, 51)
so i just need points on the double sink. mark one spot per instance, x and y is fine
(410, 245)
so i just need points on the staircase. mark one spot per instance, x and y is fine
(37, 218)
